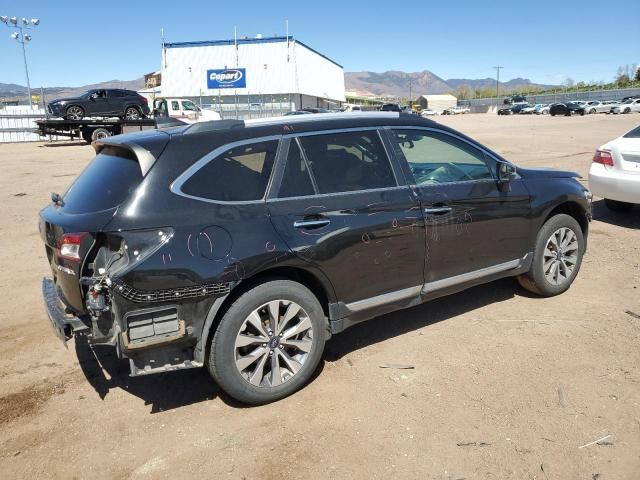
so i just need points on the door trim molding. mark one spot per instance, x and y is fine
(430, 287)
(474, 275)
(385, 298)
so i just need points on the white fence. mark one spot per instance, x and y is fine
(18, 122)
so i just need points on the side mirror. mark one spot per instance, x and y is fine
(505, 172)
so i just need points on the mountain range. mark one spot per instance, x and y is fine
(396, 83)
(385, 84)
(51, 93)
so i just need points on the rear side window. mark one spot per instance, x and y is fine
(635, 133)
(239, 174)
(106, 182)
(296, 181)
(348, 161)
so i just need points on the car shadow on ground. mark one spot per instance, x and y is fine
(71, 143)
(167, 391)
(403, 321)
(629, 219)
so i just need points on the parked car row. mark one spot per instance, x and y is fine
(577, 107)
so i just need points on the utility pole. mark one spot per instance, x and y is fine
(410, 92)
(498, 68)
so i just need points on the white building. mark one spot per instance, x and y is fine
(252, 73)
(439, 103)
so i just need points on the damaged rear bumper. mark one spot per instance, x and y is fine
(63, 324)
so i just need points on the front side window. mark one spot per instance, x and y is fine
(436, 158)
(175, 105)
(188, 105)
(348, 161)
(239, 174)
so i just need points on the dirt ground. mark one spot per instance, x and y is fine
(505, 385)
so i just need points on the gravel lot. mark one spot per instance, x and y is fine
(505, 385)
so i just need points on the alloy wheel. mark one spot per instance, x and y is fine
(273, 343)
(132, 113)
(75, 113)
(560, 256)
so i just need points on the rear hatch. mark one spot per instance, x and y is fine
(70, 228)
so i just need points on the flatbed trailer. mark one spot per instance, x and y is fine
(92, 129)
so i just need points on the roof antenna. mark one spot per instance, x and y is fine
(287, 28)
(164, 52)
(235, 42)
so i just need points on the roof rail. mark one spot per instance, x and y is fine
(213, 125)
(314, 117)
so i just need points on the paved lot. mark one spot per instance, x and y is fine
(505, 385)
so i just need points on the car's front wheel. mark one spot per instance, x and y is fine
(616, 206)
(74, 112)
(268, 343)
(557, 257)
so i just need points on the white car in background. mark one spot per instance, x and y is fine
(541, 108)
(628, 106)
(428, 112)
(615, 172)
(456, 110)
(595, 106)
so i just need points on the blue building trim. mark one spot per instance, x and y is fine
(246, 41)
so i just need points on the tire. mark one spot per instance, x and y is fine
(132, 113)
(592, 111)
(254, 382)
(619, 207)
(627, 110)
(99, 134)
(86, 135)
(74, 112)
(541, 283)
(553, 114)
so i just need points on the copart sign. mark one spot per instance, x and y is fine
(227, 78)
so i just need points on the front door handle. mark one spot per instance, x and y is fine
(318, 223)
(437, 210)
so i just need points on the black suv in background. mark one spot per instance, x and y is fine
(567, 109)
(101, 103)
(244, 246)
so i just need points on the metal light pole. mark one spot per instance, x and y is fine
(498, 67)
(22, 38)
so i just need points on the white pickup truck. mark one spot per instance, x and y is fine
(182, 109)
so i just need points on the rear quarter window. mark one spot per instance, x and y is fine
(237, 175)
(105, 183)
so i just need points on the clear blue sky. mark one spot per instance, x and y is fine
(81, 42)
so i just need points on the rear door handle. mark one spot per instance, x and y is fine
(437, 210)
(311, 223)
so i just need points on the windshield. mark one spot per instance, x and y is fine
(627, 101)
(86, 94)
(105, 183)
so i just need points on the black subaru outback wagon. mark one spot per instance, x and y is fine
(244, 246)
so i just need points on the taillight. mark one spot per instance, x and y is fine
(603, 157)
(69, 245)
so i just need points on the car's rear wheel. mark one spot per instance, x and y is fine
(592, 111)
(132, 113)
(268, 343)
(616, 206)
(74, 112)
(557, 257)
(627, 110)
